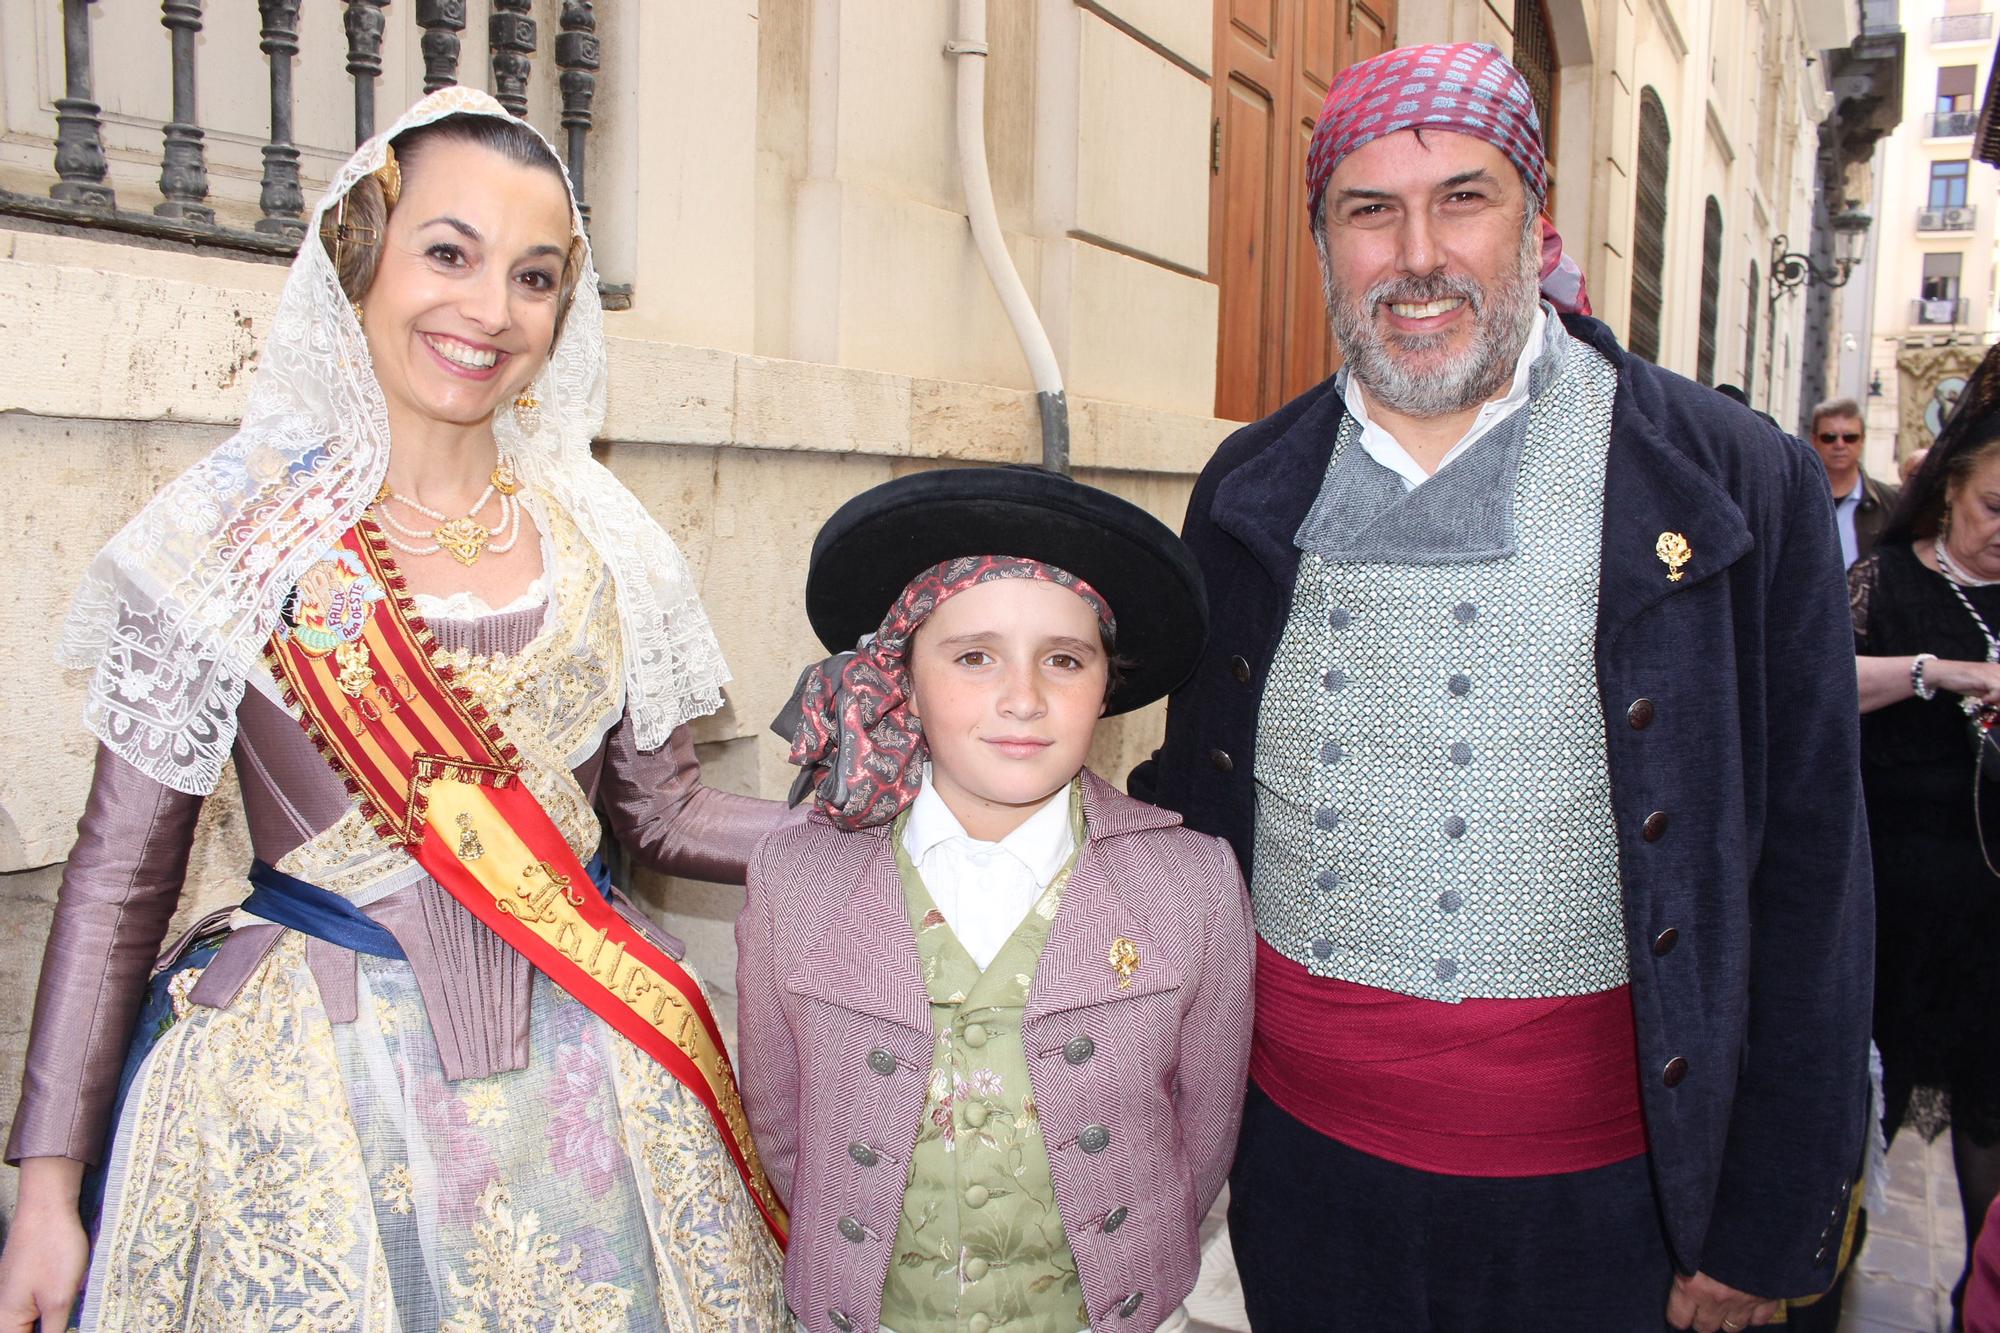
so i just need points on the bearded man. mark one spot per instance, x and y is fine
(1531, 719)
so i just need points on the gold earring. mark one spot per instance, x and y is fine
(357, 310)
(528, 413)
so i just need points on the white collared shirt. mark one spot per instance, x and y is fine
(985, 889)
(1382, 446)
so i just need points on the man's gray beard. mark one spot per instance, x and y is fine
(1502, 317)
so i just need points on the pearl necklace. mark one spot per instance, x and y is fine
(464, 538)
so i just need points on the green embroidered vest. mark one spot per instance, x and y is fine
(980, 1245)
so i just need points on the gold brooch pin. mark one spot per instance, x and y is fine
(1674, 551)
(1124, 960)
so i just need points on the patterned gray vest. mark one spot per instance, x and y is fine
(1433, 803)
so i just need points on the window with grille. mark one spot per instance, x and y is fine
(1948, 184)
(1535, 57)
(1649, 227)
(1711, 291)
(1750, 334)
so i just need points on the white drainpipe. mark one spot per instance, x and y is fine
(969, 49)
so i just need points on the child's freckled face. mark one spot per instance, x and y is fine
(1008, 679)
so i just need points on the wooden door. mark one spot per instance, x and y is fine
(1274, 60)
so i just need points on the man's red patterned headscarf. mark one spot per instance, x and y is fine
(1457, 87)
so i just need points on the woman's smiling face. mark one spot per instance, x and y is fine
(463, 308)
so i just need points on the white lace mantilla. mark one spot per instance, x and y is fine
(174, 612)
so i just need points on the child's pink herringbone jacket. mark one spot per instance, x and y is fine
(1139, 1087)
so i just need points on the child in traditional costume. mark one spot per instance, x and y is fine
(994, 1014)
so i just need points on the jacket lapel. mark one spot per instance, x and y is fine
(1651, 490)
(867, 961)
(1075, 969)
(1262, 503)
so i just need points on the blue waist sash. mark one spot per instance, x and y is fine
(285, 900)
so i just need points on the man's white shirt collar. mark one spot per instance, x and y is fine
(1382, 446)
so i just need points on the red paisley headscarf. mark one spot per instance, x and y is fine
(852, 732)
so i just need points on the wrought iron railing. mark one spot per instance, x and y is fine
(1938, 310)
(1956, 217)
(1950, 124)
(1962, 28)
(83, 194)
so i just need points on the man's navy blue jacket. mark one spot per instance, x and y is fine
(1733, 726)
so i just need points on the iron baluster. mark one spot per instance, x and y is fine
(510, 34)
(442, 22)
(282, 200)
(79, 139)
(183, 171)
(577, 57)
(364, 23)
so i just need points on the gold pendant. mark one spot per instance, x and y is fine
(504, 480)
(1674, 551)
(1124, 960)
(465, 538)
(469, 846)
(357, 674)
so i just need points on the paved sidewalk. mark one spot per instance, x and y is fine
(1903, 1276)
(1901, 1281)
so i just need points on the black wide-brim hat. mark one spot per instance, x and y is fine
(872, 547)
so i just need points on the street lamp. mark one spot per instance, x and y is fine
(1791, 271)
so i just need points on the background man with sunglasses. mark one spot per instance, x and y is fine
(1861, 504)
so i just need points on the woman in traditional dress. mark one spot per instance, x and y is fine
(433, 1077)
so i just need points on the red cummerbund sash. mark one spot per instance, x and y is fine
(1478, 1088)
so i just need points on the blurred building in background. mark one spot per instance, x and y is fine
(1934, 293)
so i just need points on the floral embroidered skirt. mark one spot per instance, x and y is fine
(274, 1171)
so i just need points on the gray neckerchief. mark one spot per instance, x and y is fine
(1463, 514)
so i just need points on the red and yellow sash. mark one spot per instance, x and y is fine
(435, 776)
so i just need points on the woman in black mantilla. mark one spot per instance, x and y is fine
(1927, 639)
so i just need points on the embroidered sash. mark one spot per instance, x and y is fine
(434, 775)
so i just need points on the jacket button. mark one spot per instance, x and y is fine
(881, 1061)
(1094, 1139)
(840, 1321)
(1676, 1070)
(1223, 763)
(1115, 1218)
(977, 1114)
(1240, 668)
(1130, 1305)
(980, 1322)
(852, 1230)
(975, 1269)
(1079, 1050)
(1640, 714)
(974, 1034)
(1819, 1255)
(862, 1153)
(1664, 942)
(1655, 826)
(977, 1196)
